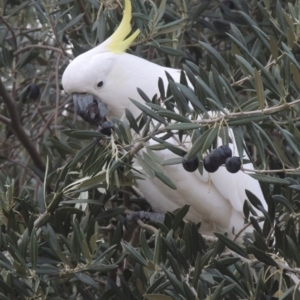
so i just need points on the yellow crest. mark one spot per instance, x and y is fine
(118, 43)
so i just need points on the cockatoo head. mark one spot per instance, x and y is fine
(96, 77)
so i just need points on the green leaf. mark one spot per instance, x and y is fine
(172, 161)
(256, 30)
(7, 289)
(282, 200)
(262, 256)
(286, 294)
(245, 65)
(173, 116)
(293, 250)
(72, 22)
(178, 151)
(179, 216)
(145, 247)
(190, 95)
(273, 47)
(183, 126)
(18, 8)
(157, 297)
(217, 293)
(174, 281)
(148, 169)
(132, 120)
(231, 244)
(84, 134)
(148, 111)
(269, 179)
(210, 139)
(157, 254)
(216, 55)
(134, 254)
(166, 180)
(55, 202)
(198, 144)
(33, 248)
(244, 119)
(86, 280)
(63, 258)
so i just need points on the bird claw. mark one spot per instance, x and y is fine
(144, 216)
(97, 141)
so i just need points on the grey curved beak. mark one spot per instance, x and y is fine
(90, 108)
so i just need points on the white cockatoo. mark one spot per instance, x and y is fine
(107, 73)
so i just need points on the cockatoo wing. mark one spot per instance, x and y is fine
(215, 199)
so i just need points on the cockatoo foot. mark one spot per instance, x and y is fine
(144, 216)
(105, 129)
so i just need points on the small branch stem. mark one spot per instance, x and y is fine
(18, 129)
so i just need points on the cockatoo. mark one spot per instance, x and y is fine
(106, 73)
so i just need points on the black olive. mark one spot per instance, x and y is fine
(210, 165)
(233, 164)
(190, 164)
(229, 3)
(33, 91)
(217, 157)
(227, 152)
(106, 128)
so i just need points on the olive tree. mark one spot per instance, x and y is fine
(65, 190)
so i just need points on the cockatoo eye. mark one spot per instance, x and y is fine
(99, 84)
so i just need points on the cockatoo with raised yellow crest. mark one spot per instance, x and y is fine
(108, 75)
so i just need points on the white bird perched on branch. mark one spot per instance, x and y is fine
(107, 73)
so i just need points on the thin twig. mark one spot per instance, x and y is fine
(18, 129)
(5, 120)
(280, 264)
(50, 119)
(44, 47)
(271, 171)
(259, 219)
(83, 10)
(11, 30)
(57, 93)
(266, 68)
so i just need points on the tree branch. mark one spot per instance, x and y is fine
(44, 47)
(11, 30)
(83, 10)
(5, 120)
(18, 129)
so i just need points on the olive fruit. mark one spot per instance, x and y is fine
(33, 91)
(209, 164)
(190, 164)
(106, 128)
(233, 164)
(229, 4)
(227, 152)
(217, 156)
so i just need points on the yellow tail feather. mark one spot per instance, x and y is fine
(118, 43)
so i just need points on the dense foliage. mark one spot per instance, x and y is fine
(65, 188)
